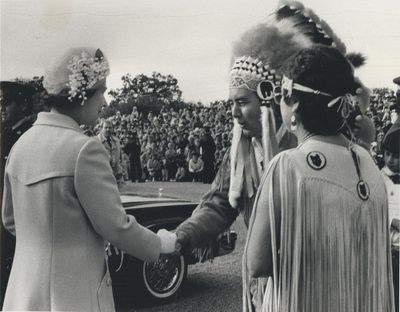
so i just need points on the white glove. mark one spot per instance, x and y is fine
(168, 241)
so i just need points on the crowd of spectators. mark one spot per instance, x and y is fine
(183, 145)
(189, 144)
(383, 110)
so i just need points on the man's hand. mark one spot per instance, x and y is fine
(182, 242)
(178, 247)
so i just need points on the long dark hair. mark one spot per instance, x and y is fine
(325, 69)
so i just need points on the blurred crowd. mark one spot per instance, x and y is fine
(189, 144)
(384, 111)
(183, 145)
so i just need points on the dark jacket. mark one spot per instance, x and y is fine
(214, 214)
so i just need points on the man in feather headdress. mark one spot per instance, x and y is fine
(257, 58)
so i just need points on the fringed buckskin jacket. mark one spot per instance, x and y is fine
(321, 238)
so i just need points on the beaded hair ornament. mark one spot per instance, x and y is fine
(347, 102)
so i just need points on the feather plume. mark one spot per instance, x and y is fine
(272, 43)
(309, 24)
(356, 59)
(312, 26)
(269, 141)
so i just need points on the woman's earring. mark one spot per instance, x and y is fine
(293, 124)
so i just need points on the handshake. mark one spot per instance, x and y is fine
(169, 243)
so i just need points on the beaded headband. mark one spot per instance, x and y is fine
(347, 102)
(247, 72)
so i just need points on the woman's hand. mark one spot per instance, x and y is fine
(168, 241)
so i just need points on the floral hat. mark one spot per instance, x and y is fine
(78, 70)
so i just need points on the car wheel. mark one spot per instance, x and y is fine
(163, 279)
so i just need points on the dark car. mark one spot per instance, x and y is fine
(162, 279)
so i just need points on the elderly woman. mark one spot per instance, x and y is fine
(319, 227)
(61, 199)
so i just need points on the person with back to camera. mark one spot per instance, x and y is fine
(319, 229)
(66, 207)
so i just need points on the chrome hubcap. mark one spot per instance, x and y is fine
(164, 273)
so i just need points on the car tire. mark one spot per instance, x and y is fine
(163, 279)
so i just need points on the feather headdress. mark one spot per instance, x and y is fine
(260, 54)
(315, 28)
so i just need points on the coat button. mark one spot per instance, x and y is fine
(108, 281)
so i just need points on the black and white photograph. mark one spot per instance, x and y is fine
(223, 156)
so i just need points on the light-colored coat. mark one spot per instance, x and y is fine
(62, 203)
